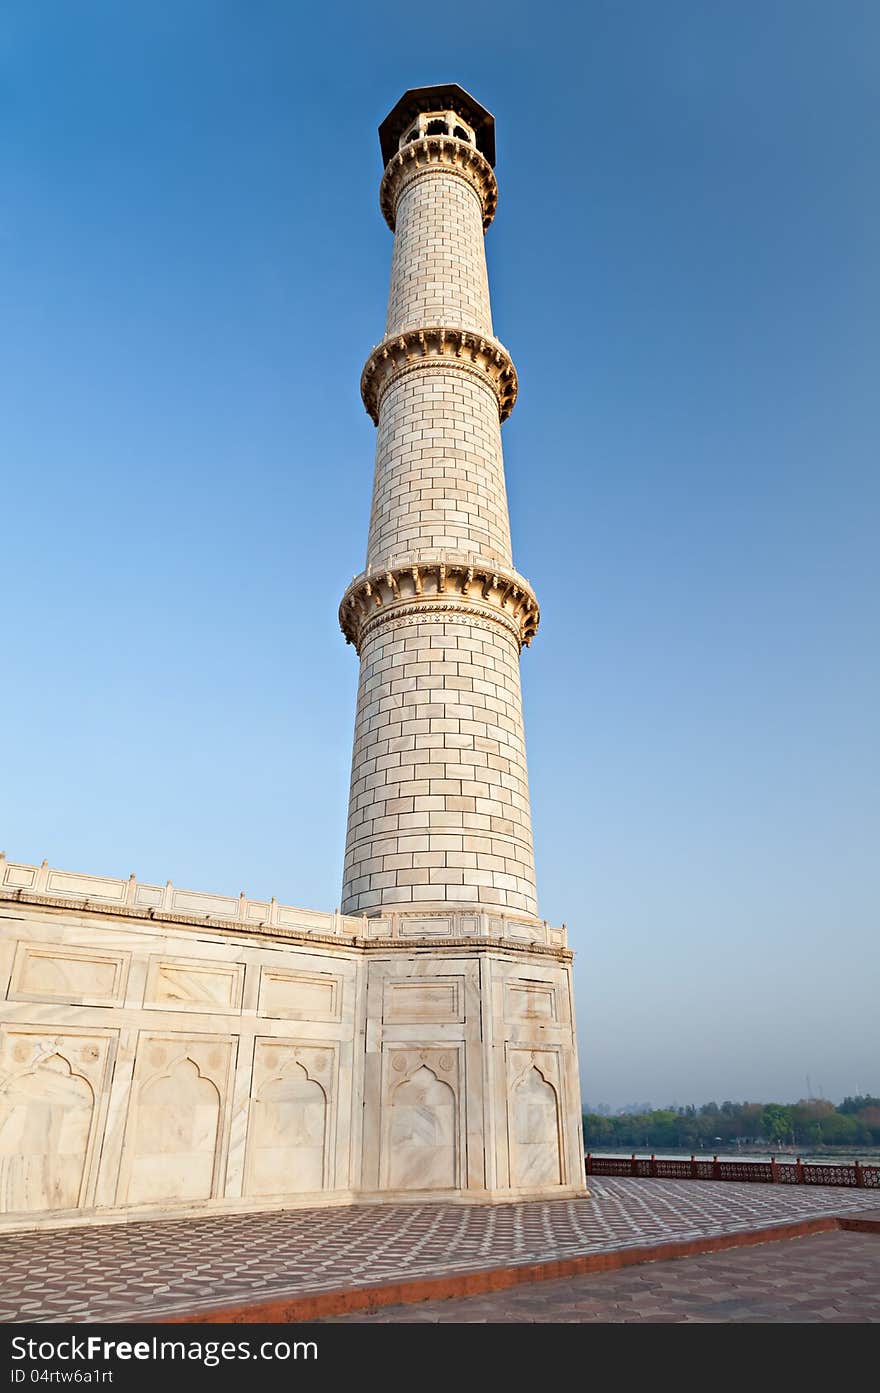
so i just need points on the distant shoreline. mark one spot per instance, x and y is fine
(751, 1153)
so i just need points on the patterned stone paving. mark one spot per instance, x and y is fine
(826, 1277)
(127, 1271)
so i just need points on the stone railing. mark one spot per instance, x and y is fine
(770, 1172)
(105, 892)
(139, 898)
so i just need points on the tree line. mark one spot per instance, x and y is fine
(812, 1122)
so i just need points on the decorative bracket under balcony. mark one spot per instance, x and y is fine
(472, 587)
(445, 155)
(436, 345)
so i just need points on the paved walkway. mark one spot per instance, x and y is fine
(130, 1271)
(827, 1277)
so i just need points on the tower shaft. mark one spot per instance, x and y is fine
(439, 806)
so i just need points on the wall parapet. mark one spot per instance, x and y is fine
(131, 896)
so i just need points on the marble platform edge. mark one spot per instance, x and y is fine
(407, 1291)
(29, 1226)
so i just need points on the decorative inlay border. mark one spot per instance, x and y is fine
(476, 617)
(438, 153)
(439, 346)
(476, 588)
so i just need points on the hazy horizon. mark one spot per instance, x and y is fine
(653, 1105)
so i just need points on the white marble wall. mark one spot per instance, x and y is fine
(159, 1069)
(153, 1067)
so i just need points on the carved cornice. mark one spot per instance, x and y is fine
(436, 346)
(477, 589)
(366, 940)
(438, 154)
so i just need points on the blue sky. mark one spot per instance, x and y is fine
(684, 267)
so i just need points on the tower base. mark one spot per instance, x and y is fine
(167, 1053)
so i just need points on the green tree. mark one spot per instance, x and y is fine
(598, 1131)
(859, 1103)
(870, 1120)
(840, 1129)
(776, 1122)
(751, 1116)
(808, 1118)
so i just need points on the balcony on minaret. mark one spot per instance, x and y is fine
(445, 110)
(439, 123)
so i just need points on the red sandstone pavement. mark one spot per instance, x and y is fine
(306, 1263)
(831, 1277)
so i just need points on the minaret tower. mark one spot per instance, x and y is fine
(470, 1078)
(439, 809)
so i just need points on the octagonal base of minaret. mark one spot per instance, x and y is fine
(471, 1081)
(223, 1055)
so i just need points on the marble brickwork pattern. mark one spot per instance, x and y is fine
(438, 268)
(439, 809)
(439, 483)
(439, 803)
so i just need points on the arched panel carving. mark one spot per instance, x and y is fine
(46, 1115)
(534, 1130)
(422, 1133)
(288, 1132)
(175, 1136)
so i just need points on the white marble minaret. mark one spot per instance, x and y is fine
(166, 1051)
(439, 808)
(470, 1080)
